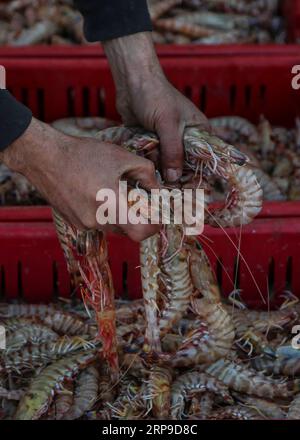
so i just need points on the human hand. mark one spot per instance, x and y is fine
(70, 171)
(145, 97)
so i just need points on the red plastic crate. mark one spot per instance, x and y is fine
(240, 81)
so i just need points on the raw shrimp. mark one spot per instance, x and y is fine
(33, 356)
(176, 278)
(39, 395)
(246, 380)
(150, 271)
(294, 409)
(211, 340)
(191, 383)
(86, 392)
(159, 392)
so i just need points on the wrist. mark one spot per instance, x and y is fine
(133, 59)
(31, 150)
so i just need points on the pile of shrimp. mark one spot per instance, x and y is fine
(273, 152)
(217, 361)
(180, 353)
(26, 22)
(216, 21)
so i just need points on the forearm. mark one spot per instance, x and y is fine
(132, 60)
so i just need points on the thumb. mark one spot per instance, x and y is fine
(172, 150)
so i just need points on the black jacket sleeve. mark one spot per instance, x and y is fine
(108, 19)
(14, 119)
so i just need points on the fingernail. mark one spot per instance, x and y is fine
(173, 174)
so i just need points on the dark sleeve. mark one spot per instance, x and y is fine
(108, 19)
(14, 119)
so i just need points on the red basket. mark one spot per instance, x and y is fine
(240, 81)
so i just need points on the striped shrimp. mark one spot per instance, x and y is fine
(150, 270)
(261, 321)
(25, 310)
(210, 341)
(236, 412)
(86, 393)
(68, 324)
(229, 125)
(289, 367)
(294, 409)
(62, 402)
(159, 392)
(106, 390)
(246, 380)
(33, 356)
(33, 334)
(201, 406)
(268, 409)
(202, 274)
(40, 393)
(244, 201)
(176, 278)
(194, 383)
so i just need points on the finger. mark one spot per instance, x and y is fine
(172, 150)
(144, 174)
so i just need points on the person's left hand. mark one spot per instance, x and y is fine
(145, 97)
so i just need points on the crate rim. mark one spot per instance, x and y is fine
(10, 214)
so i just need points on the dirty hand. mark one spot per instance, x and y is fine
(145, 97)
(70, 171)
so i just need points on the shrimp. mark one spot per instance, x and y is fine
(159, 392)
(236, 412)
(202, 273)
(82, 127)
(68, 324)
(35, 334)
(191, 383)
(211, 340)
(278, 366)
(201, 407)
(90, 252)
(26, 310)
(62, 402)
(176, 277)
(33, 356)
(235, 125)
(246, 380)
(268, 409)
(40, 393)
(244, 201)
(86, 392)
(150, 271)
(294, 409)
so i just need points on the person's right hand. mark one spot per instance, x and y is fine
(69, 172)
